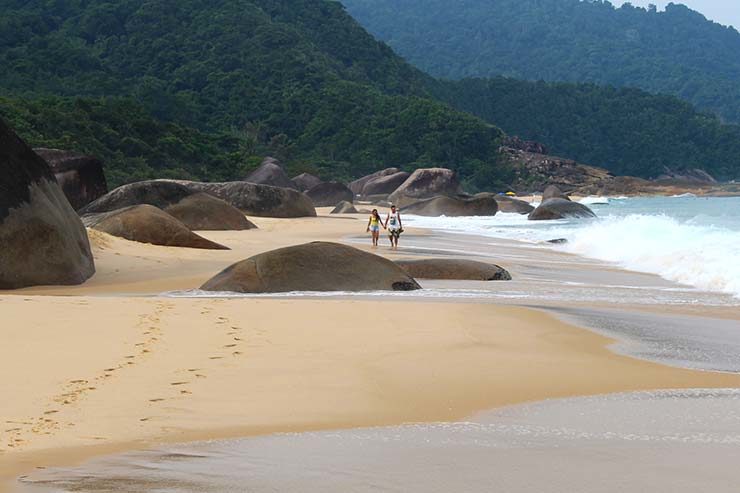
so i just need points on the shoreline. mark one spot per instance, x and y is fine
(471, 357)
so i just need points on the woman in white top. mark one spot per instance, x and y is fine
(394, 226)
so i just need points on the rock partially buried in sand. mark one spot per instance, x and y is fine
(148, 224)
(344, 207)
(330, 193)
(81, 177)
(305, 181)
(510, 204)
(560, 209)
(42, 240)
(426, 183)
(318, 266)
(258, 200)
(479, 205)
(454, 269)
(270, 172)
(203, 212)
(159, 193)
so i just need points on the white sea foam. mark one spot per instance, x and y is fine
(592, 200)
(691, 251)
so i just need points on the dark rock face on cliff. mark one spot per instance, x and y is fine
(203, 212)
(533, 172)
(453, 269)
(305, 181)
(483, 204)
(81, 177)
(357, 185)
(270, 172)
(42, 240)
(518, 144)
(557, 208)
(148, 224)
(330, 193)
(425, 183)
(384, 185)
(317, 266)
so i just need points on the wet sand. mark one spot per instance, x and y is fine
(106, 366)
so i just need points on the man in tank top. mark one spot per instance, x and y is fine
(394, 226)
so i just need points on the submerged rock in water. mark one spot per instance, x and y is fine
(510, 204)
(480, 205)
(454, 269)
(329, 194)
(558, 241)
(560, 209)
(317, 266)
(42, 240)
(148, 224)
(203, 212)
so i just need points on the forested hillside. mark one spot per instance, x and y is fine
(203, 89)
(628, 131)
(297, 78)
(676, 51)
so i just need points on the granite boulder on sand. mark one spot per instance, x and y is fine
(203, 212)
(384, 185)
(357, 185)
(510, 204)
(148, 224)
(317, 266)
(553, 192)
(305, 181)
(330, 193)
(425, 183)
(42, 240)
(270, 172)
(454, 269)
(479, 205)
(159, 193)
(344, 207)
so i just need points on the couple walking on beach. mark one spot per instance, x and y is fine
(392, 224)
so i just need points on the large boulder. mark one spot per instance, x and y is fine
(344, 207)
(317, 266)
(159, 193)
(270, 172)
(148, 224)
(81, 177)
(203, 212)
(454, 269)
(560, 209)
(479, 205)
(42, 240)
(384, 185)
(258, 200)
(357, 185)
(510, 204)
(305, 181)
(330, 193)
(553, 192)
(426, 183)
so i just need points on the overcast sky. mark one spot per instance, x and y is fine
(725, 12)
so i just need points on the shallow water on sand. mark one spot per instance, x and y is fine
(676, 441)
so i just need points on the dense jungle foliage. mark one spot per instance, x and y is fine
(676, 51)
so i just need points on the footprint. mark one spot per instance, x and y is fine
(156, 400)
(230, 345)
(216, 357)
(179, 383)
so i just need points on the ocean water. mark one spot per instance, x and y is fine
(660, 441)
(690, 240)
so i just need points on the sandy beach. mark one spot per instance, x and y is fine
(111, 365)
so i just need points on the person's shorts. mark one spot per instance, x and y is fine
(394, 232)
(375, 229)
